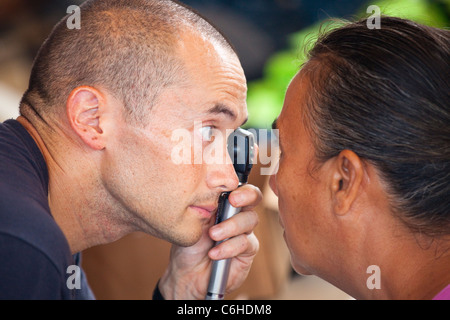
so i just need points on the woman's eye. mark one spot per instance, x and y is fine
(207, 133)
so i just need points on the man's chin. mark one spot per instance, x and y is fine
(185, 242)
(186, 238)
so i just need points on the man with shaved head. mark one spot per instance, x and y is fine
(89, 158)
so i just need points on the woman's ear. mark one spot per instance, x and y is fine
(84, 110)
(348, 173)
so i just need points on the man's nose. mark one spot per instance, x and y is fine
(222, 176)
(273, 184)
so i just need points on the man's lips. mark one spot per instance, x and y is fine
(205, 210)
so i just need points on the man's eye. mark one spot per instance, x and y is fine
(207, 133)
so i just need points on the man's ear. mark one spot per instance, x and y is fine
(84, 109)
(348, 173)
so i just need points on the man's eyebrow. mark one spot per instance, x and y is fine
(221, 108)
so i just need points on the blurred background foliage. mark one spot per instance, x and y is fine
(266, 95)
(270, 37)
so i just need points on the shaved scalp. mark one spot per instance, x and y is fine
(127, 47)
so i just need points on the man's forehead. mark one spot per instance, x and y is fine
(215, 82)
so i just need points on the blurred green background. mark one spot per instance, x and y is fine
(257, 28)
(266, 95)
